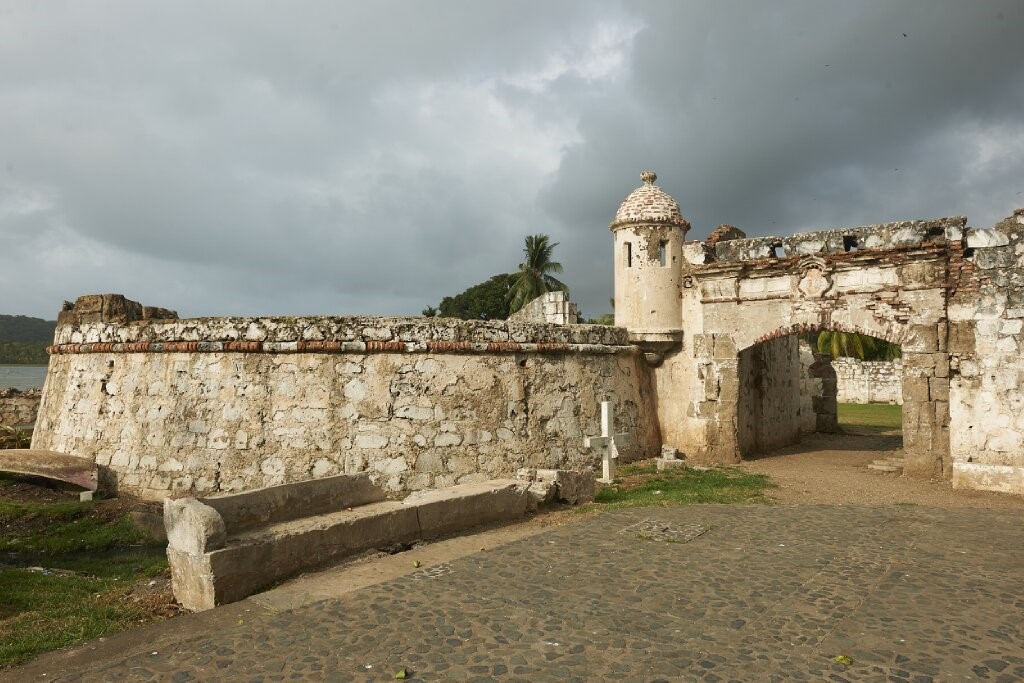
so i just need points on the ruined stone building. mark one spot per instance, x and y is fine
(704, 358)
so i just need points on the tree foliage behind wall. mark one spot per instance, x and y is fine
(22, 328)
(535, 273)
(485, 301)
(23, 353)
(852, 345)
(23, 340)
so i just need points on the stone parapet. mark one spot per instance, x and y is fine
(885, 236)
(310, 330)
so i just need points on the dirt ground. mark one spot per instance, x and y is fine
(832, 469)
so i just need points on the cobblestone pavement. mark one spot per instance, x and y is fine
(715, 593)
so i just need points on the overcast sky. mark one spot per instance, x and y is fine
(299, 157)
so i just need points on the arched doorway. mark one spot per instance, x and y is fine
(828, 382)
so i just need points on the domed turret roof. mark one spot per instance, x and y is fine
(649, 204)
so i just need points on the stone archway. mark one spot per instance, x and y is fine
(748, 293)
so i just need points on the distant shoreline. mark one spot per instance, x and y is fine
(24, 365)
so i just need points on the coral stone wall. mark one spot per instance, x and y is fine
(551, 307)
(986, 364)
(869, 381)
(227, 404)
(768, 415)
(19, 408)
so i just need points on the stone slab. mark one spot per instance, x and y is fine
(574, 487)
(444, 511)
(670, 464)
(273, 504)
(212, 564)
(1001, 478)
(281, 551)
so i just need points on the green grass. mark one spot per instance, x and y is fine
(65, 575)
(14, 438)
(64, 527)
(872, 415)
(40, 612)
(641, 485)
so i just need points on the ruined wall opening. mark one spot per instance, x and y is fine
(843, 384)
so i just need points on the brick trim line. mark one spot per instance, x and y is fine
(175, 346)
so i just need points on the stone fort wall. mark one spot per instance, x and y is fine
(171, 406)
(860, 381)
(986, 360)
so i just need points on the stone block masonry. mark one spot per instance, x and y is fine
(19, 408)
(552, 307)
(168, 406)
(860, 381)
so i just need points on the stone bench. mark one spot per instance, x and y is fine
(224, 548)
(52, 465)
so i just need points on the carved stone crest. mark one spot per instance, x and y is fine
(814, 278)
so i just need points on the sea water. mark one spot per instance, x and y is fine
(22, 376)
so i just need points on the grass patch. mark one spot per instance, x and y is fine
(881, 416)
(14, 438)
(40, 611)
(64, 527)
(642, 485)
(70, 572)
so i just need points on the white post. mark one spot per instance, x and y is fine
(608, 442)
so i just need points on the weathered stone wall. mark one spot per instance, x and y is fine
(768, 415)
(869, 381)
(986, 359)
(818, 409)
(553, 307)
(227, 404)
(810, 386)
(19, 408)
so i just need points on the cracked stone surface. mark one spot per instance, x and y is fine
(765, 593)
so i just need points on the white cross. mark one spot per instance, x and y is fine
(608, 443)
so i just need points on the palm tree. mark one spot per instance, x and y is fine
(855, 345)
(535, 276)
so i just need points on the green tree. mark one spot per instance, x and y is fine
(486, 301)
(23, 353)
(430, 311)
(535, 274)
(853, 345)
(22, 328)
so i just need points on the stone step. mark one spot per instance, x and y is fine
(224, 548)
(895, 462)
(885, 467)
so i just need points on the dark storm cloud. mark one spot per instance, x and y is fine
(371, 158)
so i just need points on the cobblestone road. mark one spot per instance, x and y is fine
(712, 593)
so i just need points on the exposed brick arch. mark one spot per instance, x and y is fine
(800, 328)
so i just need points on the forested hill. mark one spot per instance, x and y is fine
(21, 328)
(24, 339)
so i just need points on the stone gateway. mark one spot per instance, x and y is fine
(705, 359)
